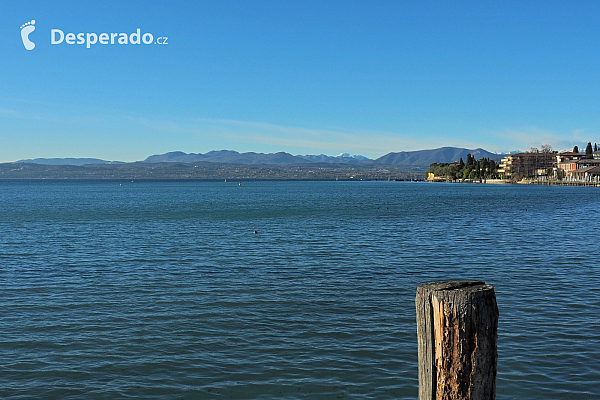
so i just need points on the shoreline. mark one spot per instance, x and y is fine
(521, 182)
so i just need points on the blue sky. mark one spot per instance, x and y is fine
(305, 77)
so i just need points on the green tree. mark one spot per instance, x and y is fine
(470, 161)
(575, 149)
(472, 169)
(453, 170)
(485, 167)
(466, 172)
(493, 168)
(589, 152)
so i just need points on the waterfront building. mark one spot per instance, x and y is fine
(587, 173)
(520, 165)
(588, 162)
(567, 162)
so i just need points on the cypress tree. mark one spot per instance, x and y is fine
(589, 153)
(470, 160)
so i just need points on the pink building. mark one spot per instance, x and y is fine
(567, 162)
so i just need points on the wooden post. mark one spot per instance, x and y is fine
(457, 328)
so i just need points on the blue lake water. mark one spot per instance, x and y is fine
(163, 290)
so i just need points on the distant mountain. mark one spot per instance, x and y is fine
(410, 158)
(441, 155)
(226, 157)
(346, 158)
(233, 157)
(68, 161)
(420, 158)
(355, 156)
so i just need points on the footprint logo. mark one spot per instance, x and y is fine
(26, 29)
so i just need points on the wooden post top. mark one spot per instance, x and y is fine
(455, 285)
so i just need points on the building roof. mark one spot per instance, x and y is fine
(595, 170)
(526, 154)
(589, 161)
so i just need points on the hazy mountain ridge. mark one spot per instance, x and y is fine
(340, 158)
(417, 158)
(68, 161)
(441, 155)
(412, 158)
(229, 164)
(227, 157)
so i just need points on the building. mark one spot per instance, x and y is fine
(588, 162)
(587, 173)
(576, 165)
(521, 165)
(567, 162)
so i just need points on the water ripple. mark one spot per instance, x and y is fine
(162, 289)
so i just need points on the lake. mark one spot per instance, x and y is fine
(164, 290)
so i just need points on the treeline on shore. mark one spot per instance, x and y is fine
(484, 168)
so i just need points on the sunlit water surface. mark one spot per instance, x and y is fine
(163, 290)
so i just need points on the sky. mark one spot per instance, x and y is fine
(304, 77)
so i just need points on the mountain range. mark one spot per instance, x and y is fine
(441, 155)
(226, 157)
(419, 158)
(68, 161)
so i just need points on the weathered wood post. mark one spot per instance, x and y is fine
(457, 328)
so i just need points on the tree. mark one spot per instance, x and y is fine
(466, 172)
(546, 148)
(492, 167)
(595, 147)
(470, 160)
(485, 167)
(589, 153)
(575, 149)
(473, 169)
